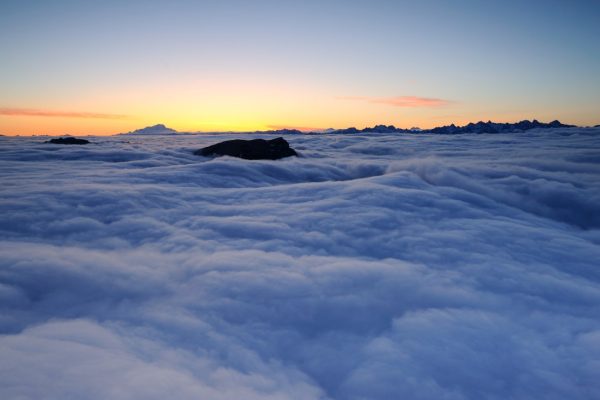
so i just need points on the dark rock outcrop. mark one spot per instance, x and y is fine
(256, 149)
(67, 140)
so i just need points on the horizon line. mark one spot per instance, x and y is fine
(294, 128)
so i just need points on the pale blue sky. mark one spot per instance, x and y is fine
(496, 58)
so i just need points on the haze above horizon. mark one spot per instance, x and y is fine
(103, 68)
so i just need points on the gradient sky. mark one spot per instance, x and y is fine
(113, 66)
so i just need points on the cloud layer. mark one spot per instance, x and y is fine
(401, 101)
(372, 267)
(26, 112)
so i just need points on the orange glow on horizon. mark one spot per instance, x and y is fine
(226, 105)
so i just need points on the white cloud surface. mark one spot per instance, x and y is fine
(373, 267)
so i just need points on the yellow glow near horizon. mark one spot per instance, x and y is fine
(234, 105)
(227, 102)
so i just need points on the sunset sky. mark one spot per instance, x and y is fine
(83, 67)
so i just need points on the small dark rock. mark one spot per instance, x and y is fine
(68, 140)
(256, 149)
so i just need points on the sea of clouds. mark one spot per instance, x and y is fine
(372, 267)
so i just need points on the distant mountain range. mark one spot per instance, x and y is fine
(495, 127)
(477, 127)
(158, 129)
